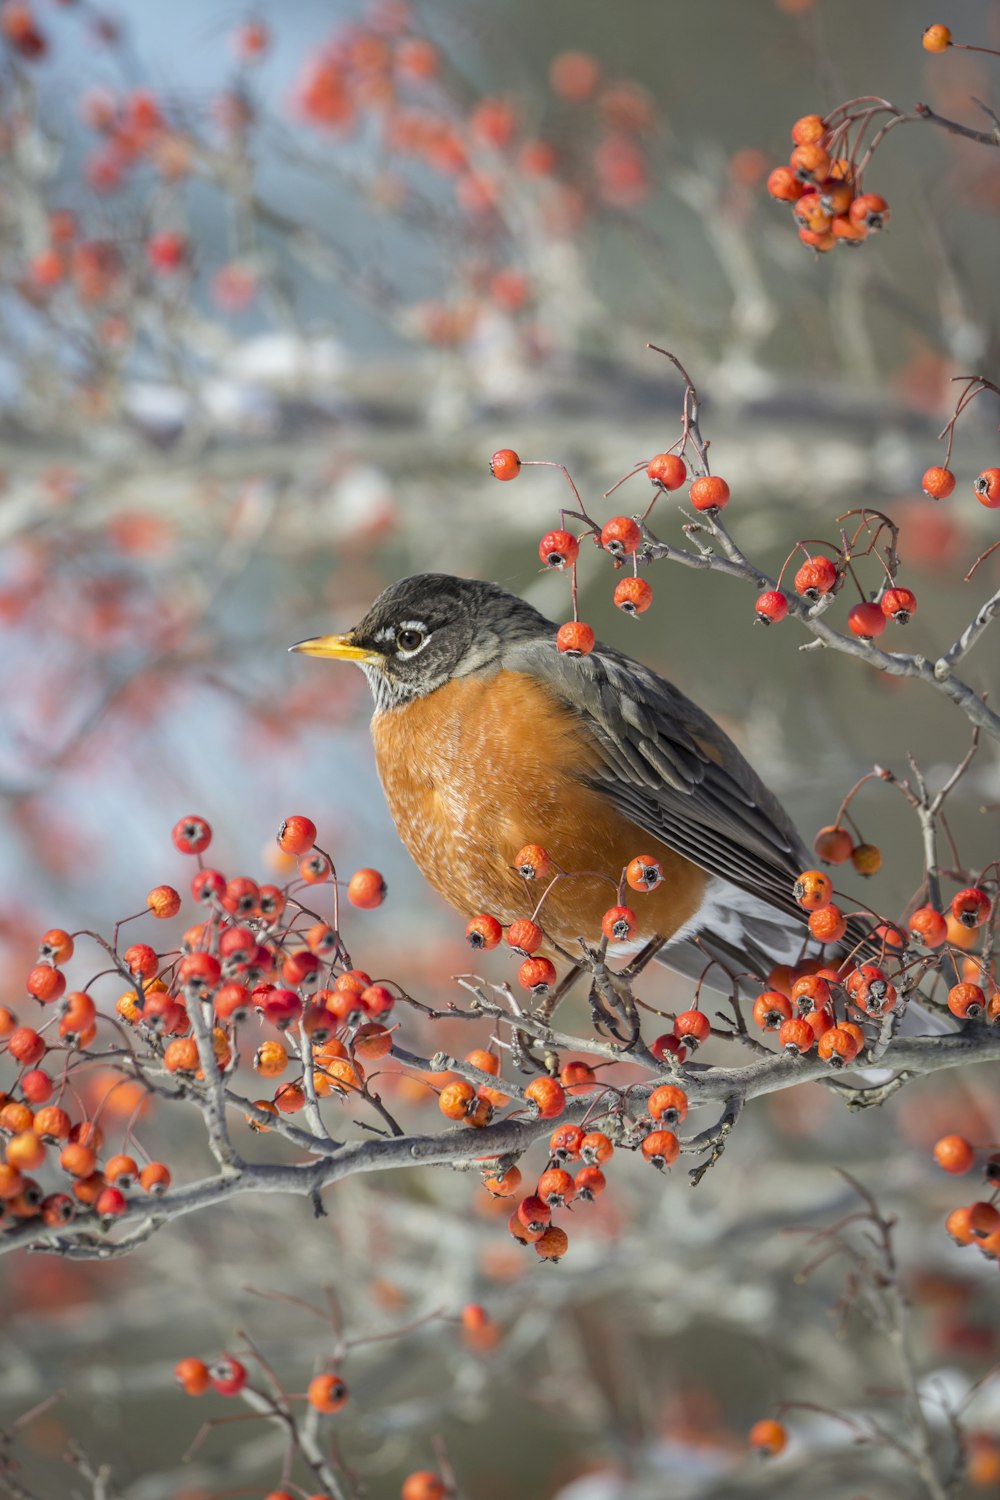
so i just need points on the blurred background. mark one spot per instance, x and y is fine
(274, 284)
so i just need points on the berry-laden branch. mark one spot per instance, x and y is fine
(263, 983)
(869, 536)
(823, 182)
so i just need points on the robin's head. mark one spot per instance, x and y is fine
(425, 630)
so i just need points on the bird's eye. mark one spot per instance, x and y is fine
(410, 638)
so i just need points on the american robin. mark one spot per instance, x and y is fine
(488, 737)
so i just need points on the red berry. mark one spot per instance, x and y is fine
(692, 1027)
(525, 936)
(620, 536)
(227, 1375)
(668, 1045)
(46, 983)
(168, 251)
(768, 1437)
(366, 889)
(483, 932)
(532, 862)
(816, 578)
(575, 638)
(644, 873)
(667, 470)
(771, 607)
(987, 488)
(537, 975)
(866, 621)
(971, 907)
(633, 595)
(899, 605)
(618, 924)
(505, 464)
(938, 482)
(192, 835)
(297, 835)
(709, 493)
(558, 549)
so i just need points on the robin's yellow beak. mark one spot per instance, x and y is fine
(339, 647)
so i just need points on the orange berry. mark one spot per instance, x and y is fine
(971, 907)
(455, 1099)
(967, 1001)
(954, 1154)
(784, 186)
(661, 1148)
(771, 1009)
(866, 859)
(871, 210)
(423, 1485)
(810, 162)
(537, 975)
(633, 596)
(46, 983)
(813, 889)
(532, 862)
(709, 493)
(556, 1187)
(667, 470)
(833, 845)
(327, 1393)
(163, 901)
(505, 464)
(936, 38)
(987, 488)
(483, 932)
(808, 130)
(192, 1376)
(828, 924)
(692, 1027)
(552, 1243)
(837, 1046)
(181, 1055)
(56, 946)
(577, 1077)
(505, 1186)
(525, 937)
(366, 889)
(644, 873)
(155, 1178)
(984, 1219)
(575, 638)
(297, 835)
(596, 1148)
(938, 482)
(768, 1437)
(669, 1103)
(620, 537)
(795, 1035)
(548, 1095)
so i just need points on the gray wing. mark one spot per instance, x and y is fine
(671, 770)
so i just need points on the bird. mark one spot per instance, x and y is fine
(488, 737)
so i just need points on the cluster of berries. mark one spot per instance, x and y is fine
(816, 582)
(939, 483)
(578, 1156)
(247, 955)
(824, 190)
(622, 537)
(973, 1223)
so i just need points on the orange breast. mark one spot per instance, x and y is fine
(487, 764)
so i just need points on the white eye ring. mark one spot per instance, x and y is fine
(411, 628)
